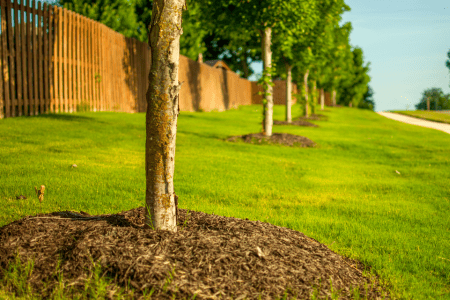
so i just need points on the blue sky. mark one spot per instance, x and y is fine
(406, 43)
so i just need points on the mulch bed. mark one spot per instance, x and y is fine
(296, 123)
(276, 138)
(314, 117)
(212, 256)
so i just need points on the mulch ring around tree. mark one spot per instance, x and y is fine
(295, 123)
(210, 256)
(276, 138)
(314, 117)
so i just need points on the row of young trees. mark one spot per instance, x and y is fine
(296, 39)
(304, 42)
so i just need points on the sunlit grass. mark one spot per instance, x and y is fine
(374, 189)
(443, 117)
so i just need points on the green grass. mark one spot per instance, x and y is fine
(427, 115)
(345, 193)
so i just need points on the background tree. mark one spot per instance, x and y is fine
(162, 112)
(353, 91)
(438, 101)
(367, 101)
(263, 17)
(119, 15)
(291, 43)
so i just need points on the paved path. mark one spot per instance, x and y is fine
(415, 121)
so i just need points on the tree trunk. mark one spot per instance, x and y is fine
(245, 66)
(322, 99)
(428, 103)
(305, 79)
(334, 97)
(288, 93)
(267, 61)
(162, 112)
(314, 93)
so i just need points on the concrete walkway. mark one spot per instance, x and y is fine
(415, 121)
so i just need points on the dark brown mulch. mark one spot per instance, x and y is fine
(314, 117)
(212, 256)
(276, 138)
(296, 123)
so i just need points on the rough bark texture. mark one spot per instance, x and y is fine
(334, 97)
(305, 79)
(288, 93)
(268, 111)
(322, 99)
(162, 112)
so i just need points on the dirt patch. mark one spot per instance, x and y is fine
(212, 256)
(295, 123)
(276, 138)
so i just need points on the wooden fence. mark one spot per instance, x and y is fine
(55, 60)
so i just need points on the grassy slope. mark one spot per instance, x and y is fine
(427, 115)
(345, 193)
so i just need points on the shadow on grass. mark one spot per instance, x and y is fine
(68, 117)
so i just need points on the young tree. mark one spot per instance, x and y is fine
(263, 17)
(162, 112)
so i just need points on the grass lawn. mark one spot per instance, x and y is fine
(427, 115)
(374, 189)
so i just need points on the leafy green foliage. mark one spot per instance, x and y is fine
(367, 101)
(438, 101)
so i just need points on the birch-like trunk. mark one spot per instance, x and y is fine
(305, 81)
(314, 93)
(288, 93)
(162, 112)
(334, 97)
(268, 110)
(322, 99)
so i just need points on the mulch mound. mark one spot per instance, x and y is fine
(296, 123)
(314, 117)
(276, 138)
(212, 256)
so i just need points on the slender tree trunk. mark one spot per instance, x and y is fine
(288, 93)
(428, 103)
(267, 61)
(314, 97)
(305, 80)
(322, 99)
(245, 66)
(334, 97)
(162, 112)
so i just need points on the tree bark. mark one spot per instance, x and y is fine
(267, 61)
(334, 97)
(428, 103)
(162, 112)
(305, 80)
(314, 93)
(288, 93)
(322, 99)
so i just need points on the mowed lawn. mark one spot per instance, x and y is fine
(373, 189)
(442, 117)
